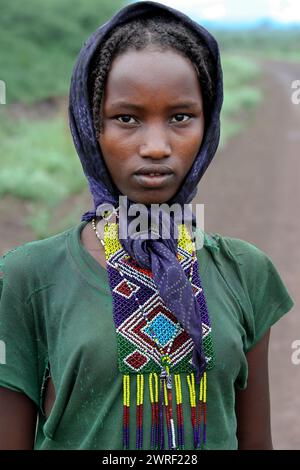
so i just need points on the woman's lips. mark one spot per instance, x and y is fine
(153, 180)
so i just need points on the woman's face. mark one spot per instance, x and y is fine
(152, 123)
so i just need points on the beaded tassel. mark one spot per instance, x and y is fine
(126, 407)
(180, 427)
(154, 409)
(166, 406)
(161, 436)
(139, 410)
(202, 410)
(192, 390)
(169, 412)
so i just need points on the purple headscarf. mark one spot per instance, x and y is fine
(157, 255)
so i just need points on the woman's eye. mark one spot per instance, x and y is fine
(181, 117)
(125, 119)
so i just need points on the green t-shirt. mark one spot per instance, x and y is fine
(56, 308)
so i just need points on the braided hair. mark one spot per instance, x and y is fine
(166, 34)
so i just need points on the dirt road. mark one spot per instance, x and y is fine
(251, 191)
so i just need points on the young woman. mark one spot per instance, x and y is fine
(139, 342)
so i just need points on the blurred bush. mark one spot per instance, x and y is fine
(40, 41)
(241, 92)
(264, 42)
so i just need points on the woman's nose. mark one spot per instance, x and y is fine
(155, 143)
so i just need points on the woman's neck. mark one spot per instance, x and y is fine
(92, 244)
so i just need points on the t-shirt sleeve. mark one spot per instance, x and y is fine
(18, 343)
(267, 298)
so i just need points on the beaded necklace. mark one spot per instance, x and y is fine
(162, 332)
(165, 359)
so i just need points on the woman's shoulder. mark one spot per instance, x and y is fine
(245, 264)
(33, 257)
(243, 252)
(237, 258)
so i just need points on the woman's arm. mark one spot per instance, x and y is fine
(18, 415)
(253, 403)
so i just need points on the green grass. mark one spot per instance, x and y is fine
(38, 161)
(240, 92)
(39, 164)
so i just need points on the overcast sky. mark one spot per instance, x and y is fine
(235, 10)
